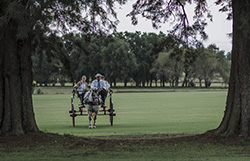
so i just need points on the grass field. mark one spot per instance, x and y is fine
(151, 125)
(137, 113)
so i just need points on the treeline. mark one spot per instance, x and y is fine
(137, 57)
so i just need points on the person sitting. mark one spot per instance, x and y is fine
(82, 88)
(106, 85)
(99, 85)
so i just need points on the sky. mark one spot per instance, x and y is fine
(217, 30)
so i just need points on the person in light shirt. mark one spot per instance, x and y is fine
(106, 84)
(82, 87)
(99, 85)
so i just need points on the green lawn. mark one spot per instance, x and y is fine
(137, 113)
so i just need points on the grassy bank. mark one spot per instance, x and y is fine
(51, 147)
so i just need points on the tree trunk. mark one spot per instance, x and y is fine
(137, 83)
(176, 82)
(156, 82)
(207, 83)
(200, 82)
(143, 83)
(125, 84)
(236, 120)
(114, 82)
(184, 84)
(16, 109)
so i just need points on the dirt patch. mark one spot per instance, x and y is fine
(145, 136)
(103, 143)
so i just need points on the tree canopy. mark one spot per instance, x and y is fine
(129, 57)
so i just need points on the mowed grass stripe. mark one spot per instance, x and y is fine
(137, 113)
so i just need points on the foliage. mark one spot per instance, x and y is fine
(118, 62)
(206, 66)
(48, 24)
(139, 57)
(174, 11)
(168, 68)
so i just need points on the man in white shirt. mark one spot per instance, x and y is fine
(100, 86)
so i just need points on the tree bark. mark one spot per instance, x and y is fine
(151, 82)
(207, 83)
(114, 82)
(156, 82)
(236, 120)
(200, 82)
(163, 83)
(137, 83)
(16, 116)
(185, 82)
(176, 81)
(125, 84)
(2, 51)
(143, 83)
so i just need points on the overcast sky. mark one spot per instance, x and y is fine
(217, 30)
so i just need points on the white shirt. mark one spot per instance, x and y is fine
(82, 87)
(98, 85)
(106, 84)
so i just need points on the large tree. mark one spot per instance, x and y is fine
(236, 120)
(237, 114)
(21, 23)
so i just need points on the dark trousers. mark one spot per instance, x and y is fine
(103, 94)
(81, 96)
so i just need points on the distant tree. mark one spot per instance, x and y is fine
(206, 66)
(68, 54)
(223, 67)
(118, 62)
(140, 48)
(157, 43)
(161, 68)
(212, 61)
(90, 56)
(43, 69)
(229, 56)
(168, 68)
(176, 65)
(146, 47)
(189, 55)
(53, 61)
